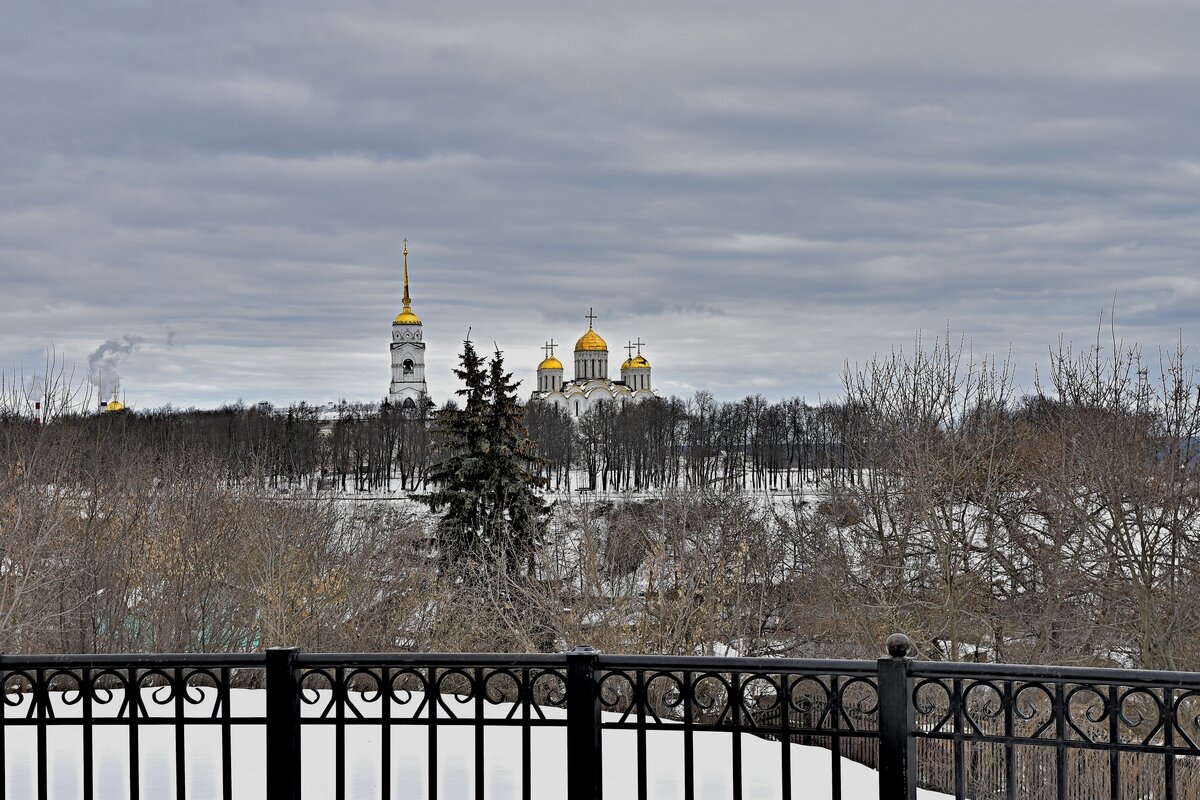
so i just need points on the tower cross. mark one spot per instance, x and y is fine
(548, 348)
(591, 317)
(629, 349)
(638, 344)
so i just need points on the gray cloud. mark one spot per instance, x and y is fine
(759, 194)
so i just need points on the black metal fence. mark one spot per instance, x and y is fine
(287, 723)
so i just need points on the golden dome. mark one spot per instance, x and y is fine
(114, 405)
(550, 363)
(591, 341)
(637, 362)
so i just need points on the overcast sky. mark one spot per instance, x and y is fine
(759, 193)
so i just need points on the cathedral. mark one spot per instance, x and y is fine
(408, 353)
(591, 384)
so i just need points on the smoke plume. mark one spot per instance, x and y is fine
(104, 360)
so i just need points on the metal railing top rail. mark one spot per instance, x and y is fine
(431, 659)
(1117, 676)
(148, 660)
(817, 666)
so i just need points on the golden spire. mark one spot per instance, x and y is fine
(407, 299)
(406, 317)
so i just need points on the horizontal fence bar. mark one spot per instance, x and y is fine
(139, 660)
(1158, 679)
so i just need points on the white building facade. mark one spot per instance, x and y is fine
(591, 384)
(407, 388)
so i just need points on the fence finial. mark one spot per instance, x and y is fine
(898, 645)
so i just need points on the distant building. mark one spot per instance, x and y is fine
(408, 353)
(591, 384)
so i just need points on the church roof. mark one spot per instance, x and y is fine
(637, 362)
(591, 341)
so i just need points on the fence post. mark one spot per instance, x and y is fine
(283, 724)
(897, 721)
(584, 762)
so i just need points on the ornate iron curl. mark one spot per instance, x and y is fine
(928, 707)
(611, 696)
(1190, 698)
(458, 694)
(808, 702)
(985, 710)
(1095, 710)
(160, 694)
(367, 696)
(310, 694)
(712, 704)
(19, 686)
(861, 706)
(496, 692)
(404, 695)
(105, 695)
(671, 698)
(553, 695)
(1026, 710)
(1137, 718)
(758, 693)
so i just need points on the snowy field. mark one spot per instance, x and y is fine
(811, 766)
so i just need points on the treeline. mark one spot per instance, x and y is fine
(653, 445)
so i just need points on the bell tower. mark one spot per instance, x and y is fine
(408, 352)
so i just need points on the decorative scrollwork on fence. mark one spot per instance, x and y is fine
(752, 701)
(115, 692)
(412, 692)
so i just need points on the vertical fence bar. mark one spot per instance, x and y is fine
(89, 767)
(133, 695)
(735, 709)
(1010, 751)
(432, 694)
(785, 737)
(341, 691)
(225, 697)
(385, 734)
(835, 740)
(897, 721)
(1114, 736)
(181, 687)
(641, 698)
(689, 753)
(1060, 738)
(479, 683)
(41, 700)
(957, 701)
(1170, 708)
(3, 728)
(584, 775)
(527, 682)
(283, 724)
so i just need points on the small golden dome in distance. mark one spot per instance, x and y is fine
(406, 317)
(637, 362)
(550, 363)
(591, 341)
(114, 405)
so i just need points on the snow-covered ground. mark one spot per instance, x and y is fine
(811, 766)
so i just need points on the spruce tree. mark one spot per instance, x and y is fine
(485, 480)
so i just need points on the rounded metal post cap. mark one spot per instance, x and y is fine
(898, 645)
